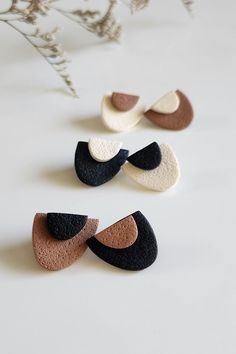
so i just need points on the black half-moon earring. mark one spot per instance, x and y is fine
(129, 244)
(99, 160)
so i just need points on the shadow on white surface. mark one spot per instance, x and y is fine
(22, 89)
(65, 177)
(92, 124)
(19, 258)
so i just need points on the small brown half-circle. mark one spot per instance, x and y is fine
(175, 121)
(53, 254)
(123, 102)
(119, 235)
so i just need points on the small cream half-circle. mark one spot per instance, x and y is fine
(118, 121)
(167, 104)
(103, 150)
(160, 179)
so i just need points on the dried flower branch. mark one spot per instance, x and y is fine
(136, 5)
(188, 4)
(44, 42)
(106, 26)
(28, 12)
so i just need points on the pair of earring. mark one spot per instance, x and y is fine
(121, 111)
(154, 167)
(61, 239)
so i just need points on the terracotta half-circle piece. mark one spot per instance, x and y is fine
(140, 255)
(123, 102)
(119, 235)
(147, 158)
(178, 120)
(160, 179)
(53, 254)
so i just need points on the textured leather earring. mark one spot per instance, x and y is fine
(153, 167)
(129, 244)
(60, 239)
(121, 112)
(99, 160)
(172, 111)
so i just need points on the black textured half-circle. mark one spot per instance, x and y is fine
(65, 226)
(95, 173)
(148, 158)
(140, 255)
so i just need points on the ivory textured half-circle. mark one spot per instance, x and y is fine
(119, 235)
(103, 150)
(167, 104)
(53, 254)
(178, 120)
(140, 255)
(123, 102)
(160, 179)
(147, 158)
(120, 121)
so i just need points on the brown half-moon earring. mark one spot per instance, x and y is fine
(60, 239)
(172, 111)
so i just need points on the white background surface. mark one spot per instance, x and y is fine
(185, 302)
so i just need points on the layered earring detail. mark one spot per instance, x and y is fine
(61, 239)
(121, 111)
(154, 167)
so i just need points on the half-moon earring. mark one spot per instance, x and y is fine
(172, 111)
(60, 239)
(154, 167)
(121, 111)
(129, 244)
(99, 160)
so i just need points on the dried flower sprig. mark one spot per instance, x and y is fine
(188, 5)
(28, 12)
(44, 42)
(106, 26)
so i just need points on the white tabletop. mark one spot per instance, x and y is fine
(185, 302)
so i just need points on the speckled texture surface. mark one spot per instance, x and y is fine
(119, 235)
(65, 226)
(160, 179)
(147, 158)
(103, 150)
(123, 102)
(140, 255)
(53, 254)
(95, 173)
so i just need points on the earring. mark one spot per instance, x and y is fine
(153, 167)
(121, 112)
(99, 161)
(60, 239)
(172, 111)
(129, 244)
